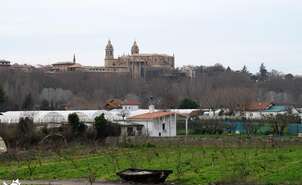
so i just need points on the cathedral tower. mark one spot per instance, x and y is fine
(109, 51)
(134, 49)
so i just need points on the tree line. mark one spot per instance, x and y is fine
(214, 87)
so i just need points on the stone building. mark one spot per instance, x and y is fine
(67, 66)
(136, 63)
(5, 63)
(189, 70)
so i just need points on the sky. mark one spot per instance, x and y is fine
(199, 32)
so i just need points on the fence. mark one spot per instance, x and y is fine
(234, 126)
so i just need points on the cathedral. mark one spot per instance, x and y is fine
(136, 63)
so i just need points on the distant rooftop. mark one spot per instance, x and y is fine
(151, 115)
(277, 108)
(147, 55)
(4, 62)
(63, 63)
(258, 106)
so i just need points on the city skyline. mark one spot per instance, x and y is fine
(233, 33)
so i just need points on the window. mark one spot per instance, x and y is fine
(139, 130)
(130, 131)
(164, 126)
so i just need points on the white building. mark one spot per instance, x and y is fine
(255, 110)
(131, 105)
(189, 70)
(264, 110)
(149, 122)
(4, 63)
(156, 124)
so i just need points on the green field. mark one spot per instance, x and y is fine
(191, 164)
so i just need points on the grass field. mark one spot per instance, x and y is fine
(191, 164)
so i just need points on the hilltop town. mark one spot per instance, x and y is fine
(185, 93)
(137, 65)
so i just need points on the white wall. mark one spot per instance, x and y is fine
(253, 115)
(1, 118)
(130, 107)
(154, 127)
(261, 115)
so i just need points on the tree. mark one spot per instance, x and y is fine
(28, 103)
(44, 105)
(25, 126)
(274, 74)
(57, 96)
(281, 121)
(289, 76)
(244, 70)
(217, 68)
(77, 126)
(100, 125)
(228, 69)
(105, 128)
(188, 104)
(251, 127)
(26, 129)
(82, 90)
(263, 73)
(208, 126)
(2, 97)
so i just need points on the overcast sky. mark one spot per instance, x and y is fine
(198, 32)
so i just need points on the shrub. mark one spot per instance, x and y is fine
(2, 97)
(280, 122)
(188, 104)
(8, 133)
(208, 127)
(78, 127)
(105, 128)
(27, 135)
(24, 134)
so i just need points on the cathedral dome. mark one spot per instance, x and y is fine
(134, 49)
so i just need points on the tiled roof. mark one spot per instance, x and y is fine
(258, 106)
(131, 102)
(113, 104)
(63, 63)
(75, 65)
(151, 115)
